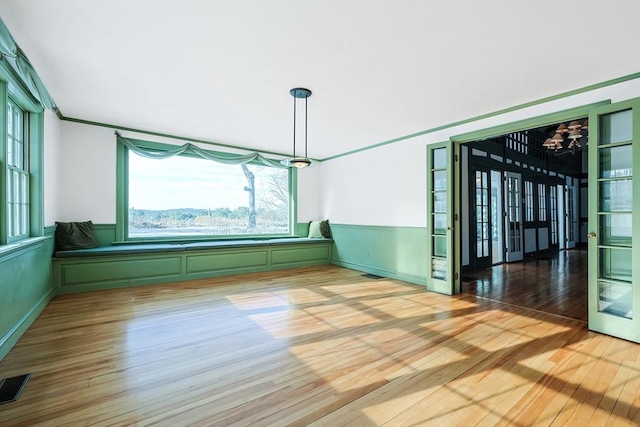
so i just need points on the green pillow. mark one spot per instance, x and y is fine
(75, 235)
(319, 229)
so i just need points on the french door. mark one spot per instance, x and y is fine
(614, 220)
(571, 223)
(481, 239)
(513, 217)
(440, 219)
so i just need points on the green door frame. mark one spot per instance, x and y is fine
(452, 284)
(600, 321)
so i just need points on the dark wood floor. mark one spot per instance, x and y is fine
(555, 284)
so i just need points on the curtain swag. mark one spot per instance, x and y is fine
(227, 158)
(20, 63)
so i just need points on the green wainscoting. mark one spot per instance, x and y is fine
(105, 234)
(25, 287)
(395, 252)
(96, 272)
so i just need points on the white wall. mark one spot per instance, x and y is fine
(88, 174)
(87, 179)
(387, 185)
(52, 149)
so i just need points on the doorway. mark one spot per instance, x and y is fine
(613, 272)
(523, 201)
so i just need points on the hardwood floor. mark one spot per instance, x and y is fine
(320, 346)
(556, 284)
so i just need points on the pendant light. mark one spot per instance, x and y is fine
(299, 162)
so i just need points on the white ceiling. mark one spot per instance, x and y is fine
(222, 70)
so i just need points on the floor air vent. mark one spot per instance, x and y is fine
(10, 388)
(372, 276)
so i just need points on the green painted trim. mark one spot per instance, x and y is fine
(4, 226)
(530, 123)
(122, 196)
(122, 180)
(376, 227)
(18, 88)
(11, 338)
(167, 135)
(492, 114)
(418, 280)
(36, 174)
(600, 322)
(21, 247)
(446, 285)
(11, 86)
(302, 229)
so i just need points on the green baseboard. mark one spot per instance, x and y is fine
(380, 272)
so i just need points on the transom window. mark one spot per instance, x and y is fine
(187, 196)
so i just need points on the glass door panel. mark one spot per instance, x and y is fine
(553, 213)
(483, 224)
(513, 212)
(571, 216)
(614, 212)
(440, 217)
(497, 247)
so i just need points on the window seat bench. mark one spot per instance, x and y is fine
(125, 265)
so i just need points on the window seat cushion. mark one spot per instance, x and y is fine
(121, 250)
(145, 248)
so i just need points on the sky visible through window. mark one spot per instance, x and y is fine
(185, 182)
(187, 195)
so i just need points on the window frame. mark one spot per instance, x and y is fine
(122, 201)
(12, 89)
(529, 198)
(542, 202)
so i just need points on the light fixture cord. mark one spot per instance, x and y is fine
(294, 125)
(305, 126)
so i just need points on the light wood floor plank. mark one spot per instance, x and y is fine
(321, 346)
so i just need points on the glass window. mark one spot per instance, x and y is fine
(17, 173)
(542, 202)
(528, 201)
(184, 196)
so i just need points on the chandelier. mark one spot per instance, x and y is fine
(566, 138)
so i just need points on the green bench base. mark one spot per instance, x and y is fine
(133, 265)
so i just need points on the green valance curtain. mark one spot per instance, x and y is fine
(141, 148)
(11, 52)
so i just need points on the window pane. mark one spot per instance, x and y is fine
(616, 196)
(440, 158)
(616, 162)
(440, 201)
(615, 298)
(439, 223)
(17, 191)
(616, 127)
(440, 246)
(440, 180)
(183, 196)
(615, 230)
(439, 268)
(615, 264)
